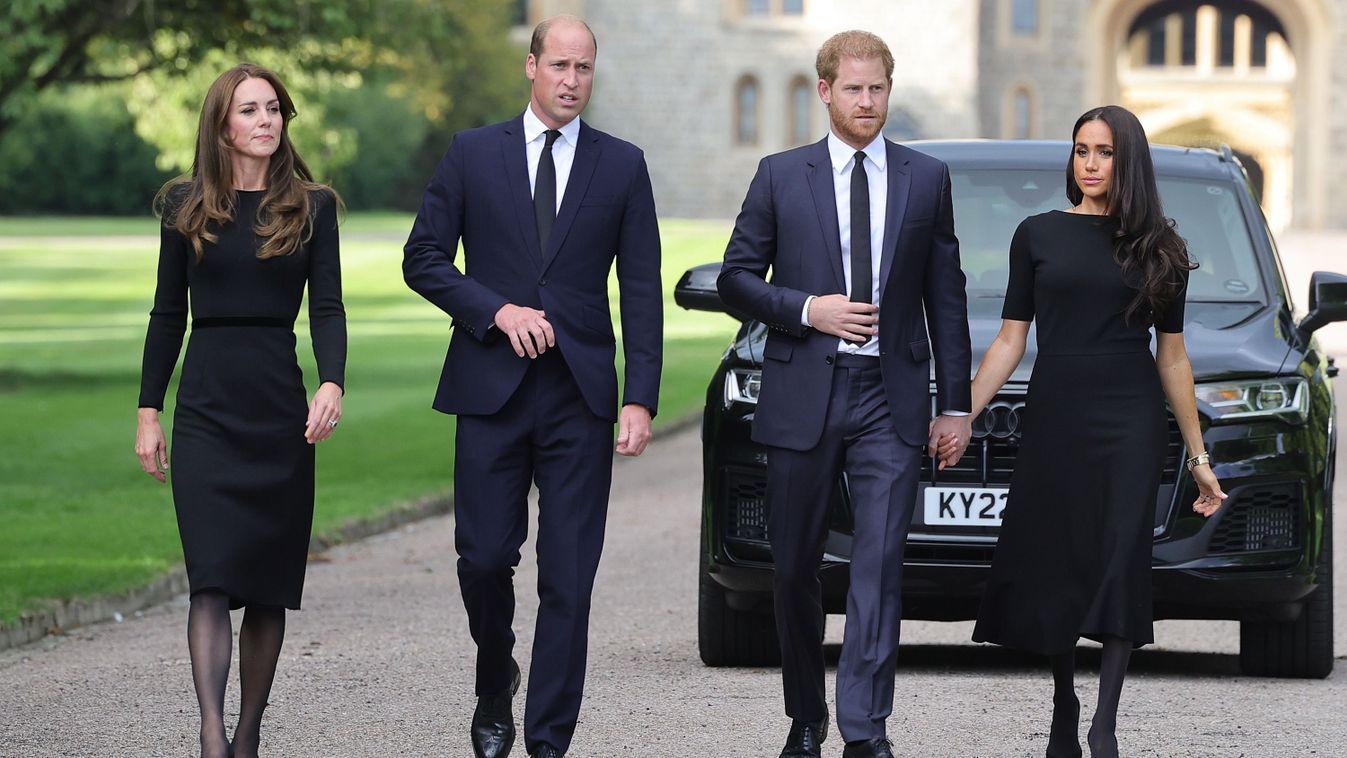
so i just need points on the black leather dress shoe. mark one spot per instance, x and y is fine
(547, 751)
(806, 739)
(493, 721)
(876, 748)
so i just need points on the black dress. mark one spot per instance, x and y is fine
(1074, 554)
(241, 469)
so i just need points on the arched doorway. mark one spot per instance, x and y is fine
(1239, 72)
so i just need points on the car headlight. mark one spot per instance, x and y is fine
(742, 386)
(1288, 399)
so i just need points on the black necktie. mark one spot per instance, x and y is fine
(545, 191)
(860, 232)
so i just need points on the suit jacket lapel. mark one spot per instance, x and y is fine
(825, 205)
(517, 177)
(582, 170)
(900, 179)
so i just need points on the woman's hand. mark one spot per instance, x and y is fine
(324, 413)
(1209, 495)
(150, 445)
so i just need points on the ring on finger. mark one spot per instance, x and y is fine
(332, 423)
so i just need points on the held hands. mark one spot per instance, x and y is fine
(949, 438)
(150, 445)
(324, 413)
(528, 330)
(838, 316)
(1209, 494)
(633, 430)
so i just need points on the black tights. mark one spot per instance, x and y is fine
(210, 641)
(1064, 740)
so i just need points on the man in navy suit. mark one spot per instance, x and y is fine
(544, 204)
(858, 234)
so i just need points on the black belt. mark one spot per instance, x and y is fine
(853, 360)
(212, 322)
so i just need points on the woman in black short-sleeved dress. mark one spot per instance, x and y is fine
(243, 234)
(1074, 555)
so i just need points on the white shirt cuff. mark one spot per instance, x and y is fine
(804, 313)
(954, 413)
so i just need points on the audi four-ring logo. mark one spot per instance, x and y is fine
(1000, 420)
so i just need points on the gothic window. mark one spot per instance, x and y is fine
(1022, 114)
(801, 108)
(746, 104)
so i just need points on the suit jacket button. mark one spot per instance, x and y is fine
(542, 282)
(828, 359)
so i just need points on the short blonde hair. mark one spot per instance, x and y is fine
(851, 44)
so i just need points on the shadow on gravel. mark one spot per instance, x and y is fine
(978, 658)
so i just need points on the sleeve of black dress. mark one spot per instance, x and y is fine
(327, 315)
(1019, 305)
(1171, 321)
(168, 318)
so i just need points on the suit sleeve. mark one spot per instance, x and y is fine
(946, 302)
(327, 315)
(742, 283)
(168, 317)
(640, 294)
(428, 258)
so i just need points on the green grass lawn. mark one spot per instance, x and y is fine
(78, 517)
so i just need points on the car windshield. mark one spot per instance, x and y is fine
(989, 204)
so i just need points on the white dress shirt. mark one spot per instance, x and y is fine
(563, 150)
(843, 159)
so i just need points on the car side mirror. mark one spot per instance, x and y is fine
(696, 290)
(1328, 302)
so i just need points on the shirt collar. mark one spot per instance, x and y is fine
(841, 154)
(534, 127)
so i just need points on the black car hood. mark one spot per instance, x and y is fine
(1224, 340)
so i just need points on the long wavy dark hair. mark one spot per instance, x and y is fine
(1152, 255)
(201, 201)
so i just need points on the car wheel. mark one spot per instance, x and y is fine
(729, 637)
(1302, 648)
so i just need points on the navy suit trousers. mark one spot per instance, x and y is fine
(546, 434)
(859, 439)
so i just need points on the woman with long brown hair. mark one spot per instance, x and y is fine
(1074, 554)
(244, 233)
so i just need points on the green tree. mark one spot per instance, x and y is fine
(449, 52)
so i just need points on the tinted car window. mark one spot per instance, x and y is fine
(989, 204)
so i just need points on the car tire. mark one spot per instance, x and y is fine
(1303, 648)
(729, 637)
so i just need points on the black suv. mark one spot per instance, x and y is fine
(1267, 414)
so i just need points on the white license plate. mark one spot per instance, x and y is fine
(964, 506)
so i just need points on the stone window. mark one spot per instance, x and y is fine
(747, 101)
(801, 108)
(1024, 17)
(1022, 114)
(1019, 112)
(772, 7)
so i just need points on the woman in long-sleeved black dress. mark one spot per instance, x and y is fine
(243, 234)
(1074, 555)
